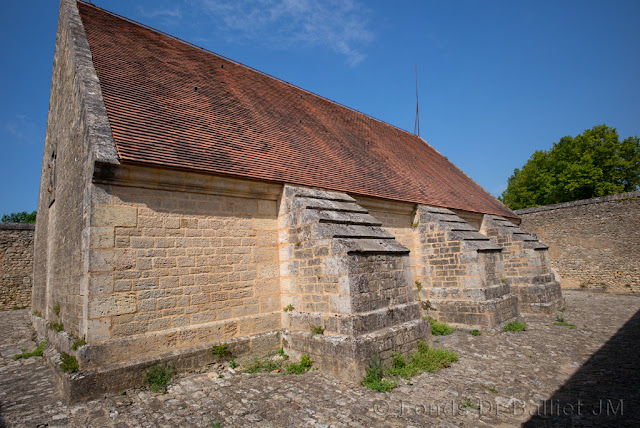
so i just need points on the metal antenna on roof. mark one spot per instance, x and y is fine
(416, 126)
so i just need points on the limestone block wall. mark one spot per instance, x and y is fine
(527, 267)
(459, 271)
(174, 269)
(16, 264)
(593, 243)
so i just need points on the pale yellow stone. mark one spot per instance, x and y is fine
(267, 287)
(268, 270)
(101, 260)
(264, 224)
(269, 304)
(269, 322)
(267, 207)
(285, 253)
(261, 255)
(100, 283)
(98, 330)
(268, 239)
(288, 285)
(101, 237)
(111, 304)
(123, 216)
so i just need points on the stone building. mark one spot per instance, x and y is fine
(188, 200)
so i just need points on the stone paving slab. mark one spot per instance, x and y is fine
(546, 376)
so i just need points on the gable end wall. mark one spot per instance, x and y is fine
(78, 133)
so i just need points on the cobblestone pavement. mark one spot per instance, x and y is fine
(502, 379)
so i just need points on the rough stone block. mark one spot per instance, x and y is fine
(117, 215)
(101, 237)
(98, 330)
(112, 304)
(101, 283)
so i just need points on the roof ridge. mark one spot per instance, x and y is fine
(155, 30)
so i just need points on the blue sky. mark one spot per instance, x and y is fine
(497, 79)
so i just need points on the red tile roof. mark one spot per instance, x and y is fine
(175, 105)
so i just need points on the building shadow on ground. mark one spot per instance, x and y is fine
(604, 392)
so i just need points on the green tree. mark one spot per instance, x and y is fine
(594, 163)
(23, 217)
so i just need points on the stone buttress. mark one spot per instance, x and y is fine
(527, 266)
(341, 272)
(459, 272)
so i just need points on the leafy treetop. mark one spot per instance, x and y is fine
(23, 217)
(594, 163)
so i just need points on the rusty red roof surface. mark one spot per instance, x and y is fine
(175, 105)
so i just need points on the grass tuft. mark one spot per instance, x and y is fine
(68, 363)
(221, 351)
(425, 359)
(35, 353)
(263, 365)
(476, 333)
(56, 326)
(398, 361)
(282, 353)
(303, 366)
(374, 377)
(564, 324)
(316, 329)
(288, 308)
(278, 363)
(78, 343)
(488, 388)
(158, 377)
(515, 326)
(467, 403)
(440, 328)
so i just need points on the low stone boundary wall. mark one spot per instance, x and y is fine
(593, 243)
(16, 264)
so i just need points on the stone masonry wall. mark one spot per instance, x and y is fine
(171, 270)
(460, 271)
(593, 243)
(343, 272)
(336, 261)
(16, 264)
(527, 268)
